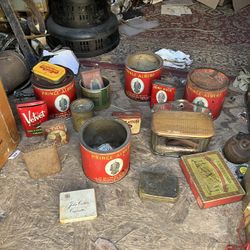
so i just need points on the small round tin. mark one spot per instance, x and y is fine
(140, 71)
(81, 110)
(100, 97)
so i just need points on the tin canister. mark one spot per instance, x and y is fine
(109, 165)
(81, 110)
(57, 96)
(132, 118)
(100, 97)
(162, 92)
(140, 70)
(207, 87)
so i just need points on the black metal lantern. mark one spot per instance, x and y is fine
(86, 26)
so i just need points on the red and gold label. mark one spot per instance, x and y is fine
(58, 100)
(105, 167)
(162, 93)
(138, 84)
(209, 99)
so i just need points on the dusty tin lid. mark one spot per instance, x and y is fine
(45, 84)
(49, 71)
(208, 79)
(182, 124)
(144, 62)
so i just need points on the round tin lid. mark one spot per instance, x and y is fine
(144, 61)
(45, 84)
(82, 105)
(209, 79)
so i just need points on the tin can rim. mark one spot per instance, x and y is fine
(219, 87)
(95, 90)
(88, 122)
(127, 65)
(82, 101)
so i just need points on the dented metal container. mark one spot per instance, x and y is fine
(175, 133)
(207, 87)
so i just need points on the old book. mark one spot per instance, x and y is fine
(210, 179)
(77, 206)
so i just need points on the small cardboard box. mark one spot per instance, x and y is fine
(210, 179)
(237, 4)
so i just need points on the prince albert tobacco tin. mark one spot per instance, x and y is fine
(140, 70)
(56, 86)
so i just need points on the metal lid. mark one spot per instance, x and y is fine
(45, 84)
(49, 71)
(144, 61)
(182, 124)
(208, 79)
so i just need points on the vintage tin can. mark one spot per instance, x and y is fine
(210, 179)
(162, 92)
(102, 163)
(81, 110)
(32, 115)
(55, 131)
(176, 133)
(237, 148)
(57, 95)
(132, 118)
(140, 70)
(207, 87)
(100, 97)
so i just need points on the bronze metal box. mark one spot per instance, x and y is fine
(175, 133)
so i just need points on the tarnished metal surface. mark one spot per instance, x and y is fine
(237, 148)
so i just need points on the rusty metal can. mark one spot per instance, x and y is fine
(58, 95)
(81, 110)
(207, 87)
(237, 148)
(100, 97)
(105, 149)
(140, 70)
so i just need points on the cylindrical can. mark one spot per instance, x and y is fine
(14, 70)
(207, 87)
(105, 149)
(81, 110)
(58, 96)
(100, 97)
(140, 71)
